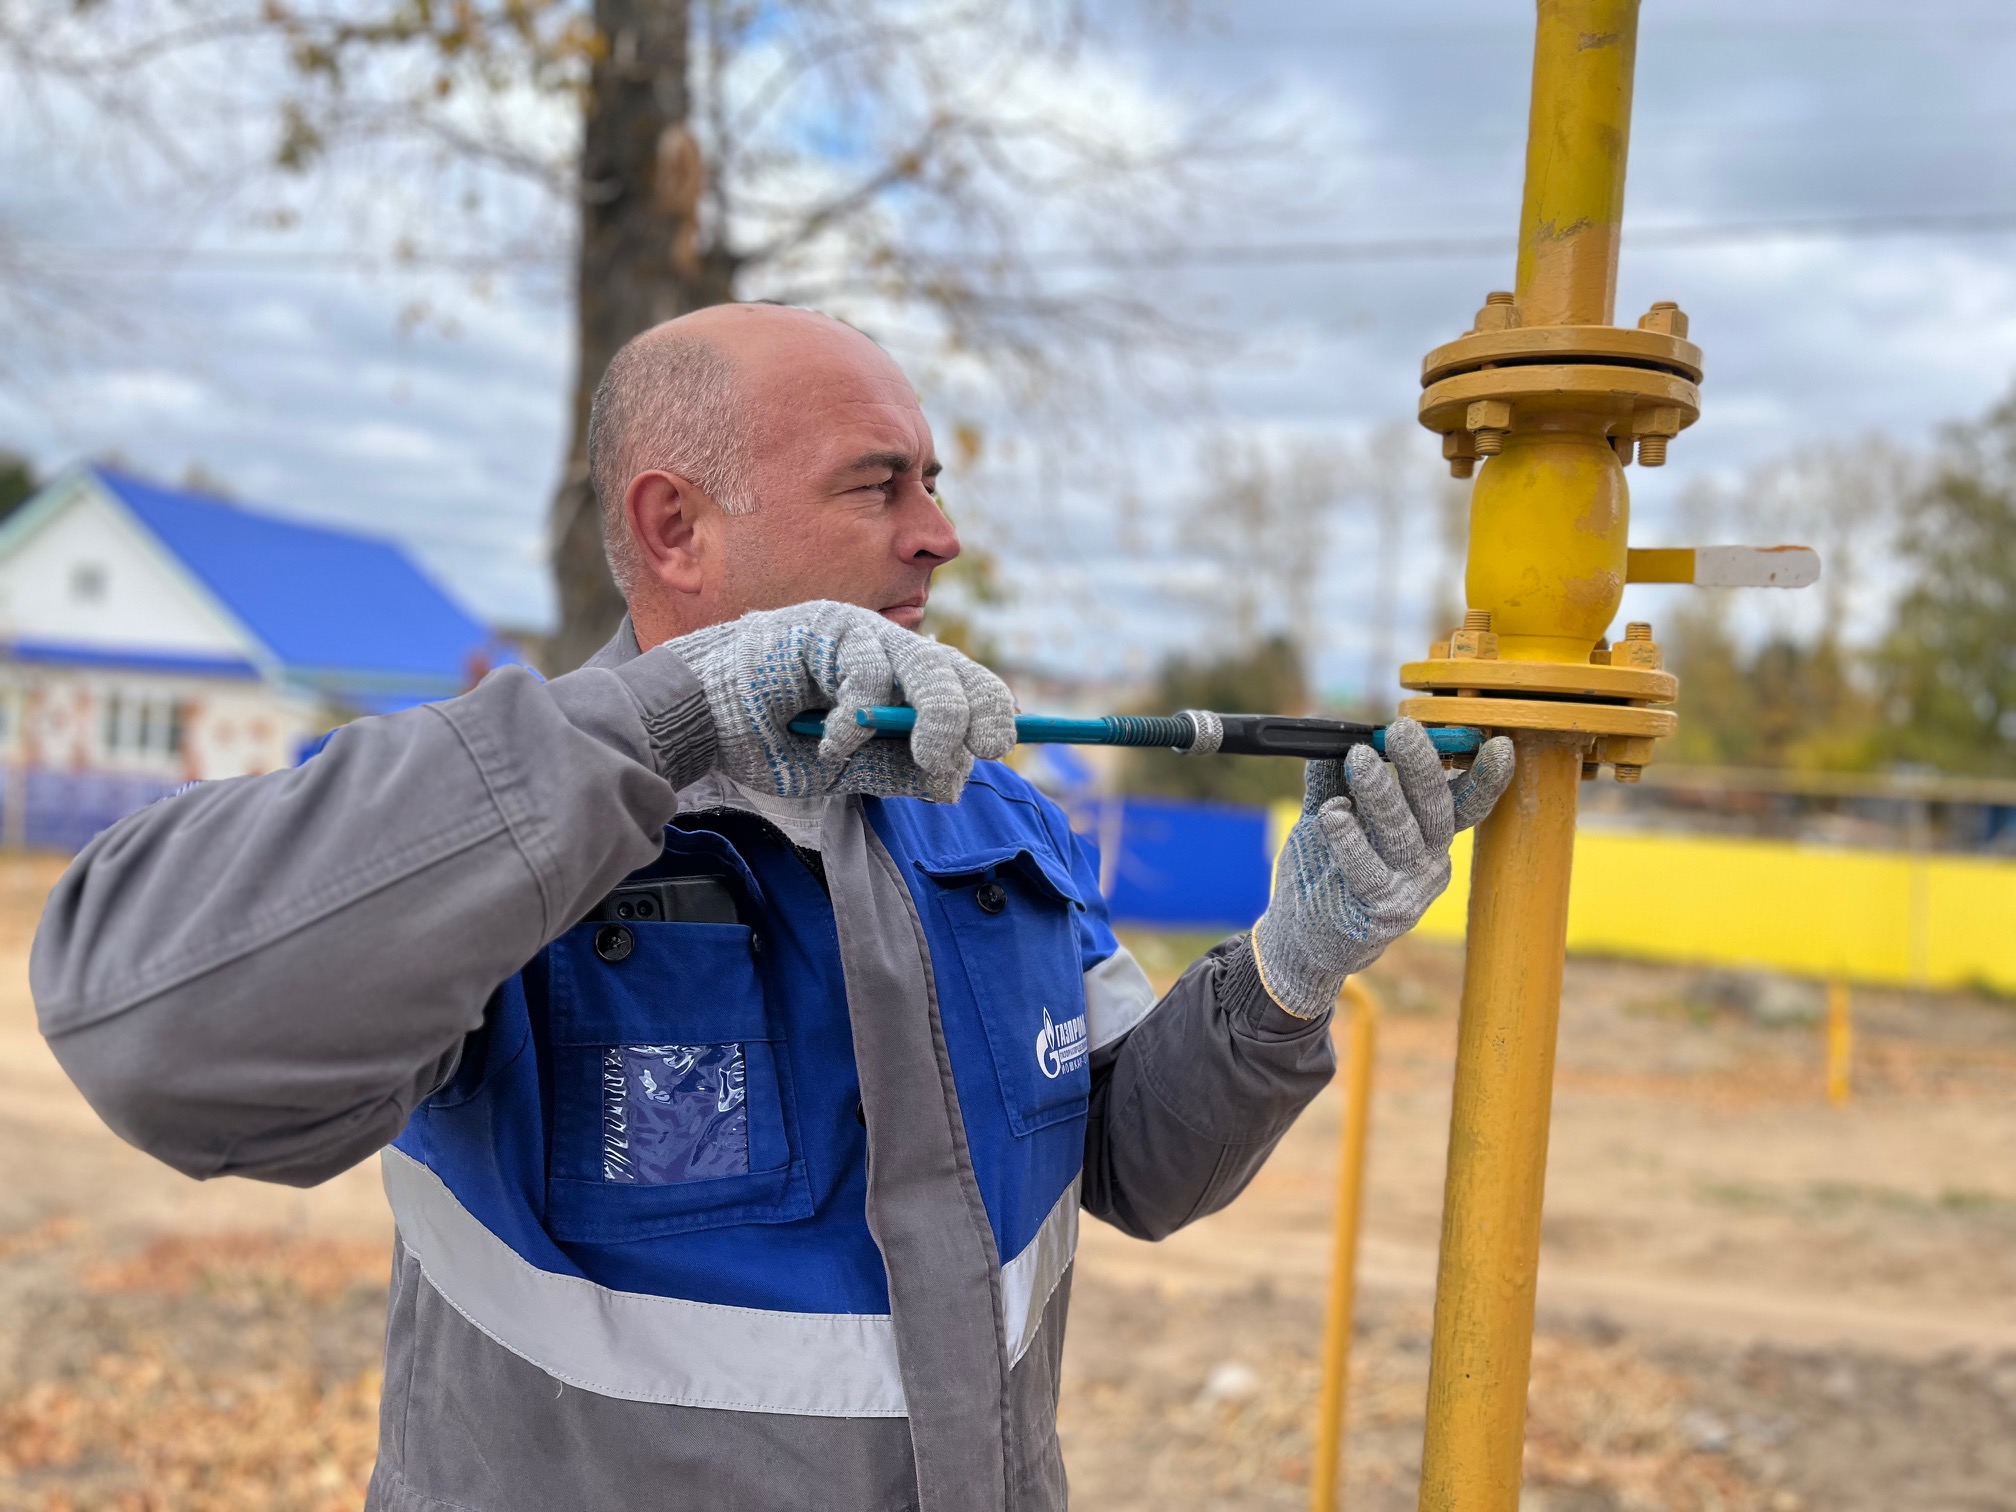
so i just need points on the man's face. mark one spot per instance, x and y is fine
(845, 480)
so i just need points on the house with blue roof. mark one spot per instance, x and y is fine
(151, 636)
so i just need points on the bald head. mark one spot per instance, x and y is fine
(735, 405)
(690, 396)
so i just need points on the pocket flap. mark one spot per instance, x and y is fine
(688, 984)
(1044, 871)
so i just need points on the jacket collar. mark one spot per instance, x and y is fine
(622, 647)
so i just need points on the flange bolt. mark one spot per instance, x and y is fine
(1638, 650)
(1474, 639)
(1665, 317)
(1651, 451)
(1488, 420)
(1499, 313)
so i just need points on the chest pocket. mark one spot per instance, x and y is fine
(671, 1105)
(1012, 919)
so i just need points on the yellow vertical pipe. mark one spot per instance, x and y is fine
(1483, 1340)
(1325, 1479)
(1840, 1044)
(1548, 559)
(1578, 134)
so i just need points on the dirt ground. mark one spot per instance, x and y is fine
(1749, 1300)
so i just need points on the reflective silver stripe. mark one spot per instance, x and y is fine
(1028, 1280)
(1117, 997)
(643, 1348)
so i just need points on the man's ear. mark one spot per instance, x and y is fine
(664, 511)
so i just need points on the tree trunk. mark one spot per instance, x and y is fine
(639, 264)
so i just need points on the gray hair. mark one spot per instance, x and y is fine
(669, 403)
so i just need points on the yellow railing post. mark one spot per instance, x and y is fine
(1840, 1044)
(1325, 1478)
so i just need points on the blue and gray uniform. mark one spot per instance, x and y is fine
(758, 1216)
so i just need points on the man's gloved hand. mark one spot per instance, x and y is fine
(763, 670)
(1359, 870)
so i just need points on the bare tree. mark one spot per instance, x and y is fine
(1260, 524)
(1847, 501)
(1386, 474)
(907, 163)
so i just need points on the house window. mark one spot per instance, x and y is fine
(87, 582)
(143, 727)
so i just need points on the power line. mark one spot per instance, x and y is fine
(166, 260)
(1425, 248)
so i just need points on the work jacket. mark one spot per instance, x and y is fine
(769, 1214)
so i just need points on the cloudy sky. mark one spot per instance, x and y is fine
(1827, 152)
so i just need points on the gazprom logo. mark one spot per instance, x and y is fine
(1061, 1048)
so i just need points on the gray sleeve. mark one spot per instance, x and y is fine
(1187, 1106)
(263, 976)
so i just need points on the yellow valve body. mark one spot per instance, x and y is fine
(1547, 543)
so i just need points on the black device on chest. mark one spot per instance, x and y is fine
(673, 900)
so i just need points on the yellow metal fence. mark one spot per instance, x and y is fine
(1882, 917)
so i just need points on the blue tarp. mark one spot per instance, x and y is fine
(1179, 864)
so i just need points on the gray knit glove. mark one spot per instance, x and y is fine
(1359, 870)
(763, 670)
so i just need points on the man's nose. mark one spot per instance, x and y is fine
(927, 537)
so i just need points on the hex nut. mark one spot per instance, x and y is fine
(1499, 313)
(1474, 639)
(1628, 755)
(1638, 650)
(1488, 420)
(1665, 317)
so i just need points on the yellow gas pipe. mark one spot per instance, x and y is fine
(1554, 399)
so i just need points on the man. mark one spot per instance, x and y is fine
(766, 1198)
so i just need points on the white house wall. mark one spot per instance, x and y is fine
(54, 718)
(89, 576)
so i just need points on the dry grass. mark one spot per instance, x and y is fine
(189, 1377)
(169, 1347)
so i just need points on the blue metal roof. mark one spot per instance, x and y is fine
(345, 612)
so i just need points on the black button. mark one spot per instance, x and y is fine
(613, 942)
(992, 897)
(860, 1115)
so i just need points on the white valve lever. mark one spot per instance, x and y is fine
(1726, 566)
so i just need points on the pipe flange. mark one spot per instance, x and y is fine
(1585, 680)
(1668, 402)
(1524, 347)
(1542, 714)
